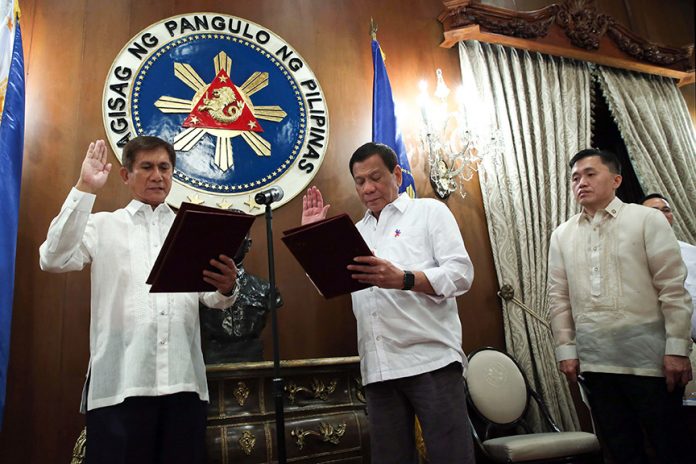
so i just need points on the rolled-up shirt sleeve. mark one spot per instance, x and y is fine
(454, 273)
(560, 311)
(217, 300)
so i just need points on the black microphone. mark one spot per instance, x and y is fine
(269, 196)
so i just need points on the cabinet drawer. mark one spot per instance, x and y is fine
(339, 437)
(317, 390)
(235, 398)
(324, 438)
(324, 408)
(242, 443)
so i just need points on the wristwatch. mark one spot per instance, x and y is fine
(409, 280)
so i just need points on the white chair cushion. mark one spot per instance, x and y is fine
(496, 386)
(519, 448)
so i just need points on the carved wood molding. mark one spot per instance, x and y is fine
(573, 28)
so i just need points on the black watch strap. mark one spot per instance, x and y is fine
(409, 280)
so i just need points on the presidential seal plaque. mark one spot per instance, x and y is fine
(242, 108)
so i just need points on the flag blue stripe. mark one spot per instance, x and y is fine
(385, 128)
(11, 149)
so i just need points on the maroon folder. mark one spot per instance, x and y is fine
(324, 249)
(198, 234)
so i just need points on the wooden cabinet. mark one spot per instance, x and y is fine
(325, 419)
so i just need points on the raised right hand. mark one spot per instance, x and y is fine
(95, 170)
(313, 208)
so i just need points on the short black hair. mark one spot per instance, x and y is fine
(608, 158)
(651, 196)
(145, 143)
(369, 149)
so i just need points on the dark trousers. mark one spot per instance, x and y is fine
(148, 430)
(438, 398)
(625, 407)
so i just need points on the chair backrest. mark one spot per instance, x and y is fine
(497, 388)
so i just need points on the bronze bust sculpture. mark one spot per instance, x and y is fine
(233, 334)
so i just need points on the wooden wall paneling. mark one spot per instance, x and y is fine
(69, 47)
(26, 21)
(689, 94)
(145, 12)
(408, 64)
(39, 301)
(404, 75)
(16, 391)
(326, 41)
(618, 10)
(480, 309)
(615, 8)
(657, 21)
(47, 372)
(307, 323)
(298, 320)
(103, 36)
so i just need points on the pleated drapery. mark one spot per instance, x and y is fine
(541, 105)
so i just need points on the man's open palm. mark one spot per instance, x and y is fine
(95, 170)
(313, 208)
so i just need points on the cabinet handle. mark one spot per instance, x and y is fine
(359, 390)
(327, 433)
(247, 442)
(318, 390)
(241, 393)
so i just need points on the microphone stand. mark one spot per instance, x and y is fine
(277, 379)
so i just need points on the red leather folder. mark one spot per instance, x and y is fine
(198, 234)
(324, 249)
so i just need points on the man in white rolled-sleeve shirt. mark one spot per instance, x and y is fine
(146, 392)
(409, 332)
(620, 314)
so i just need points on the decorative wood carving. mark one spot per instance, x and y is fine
(523, 24)
(641, 49)
(582, 23)
(573, 28)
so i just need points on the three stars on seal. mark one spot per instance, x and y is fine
(221, 109)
